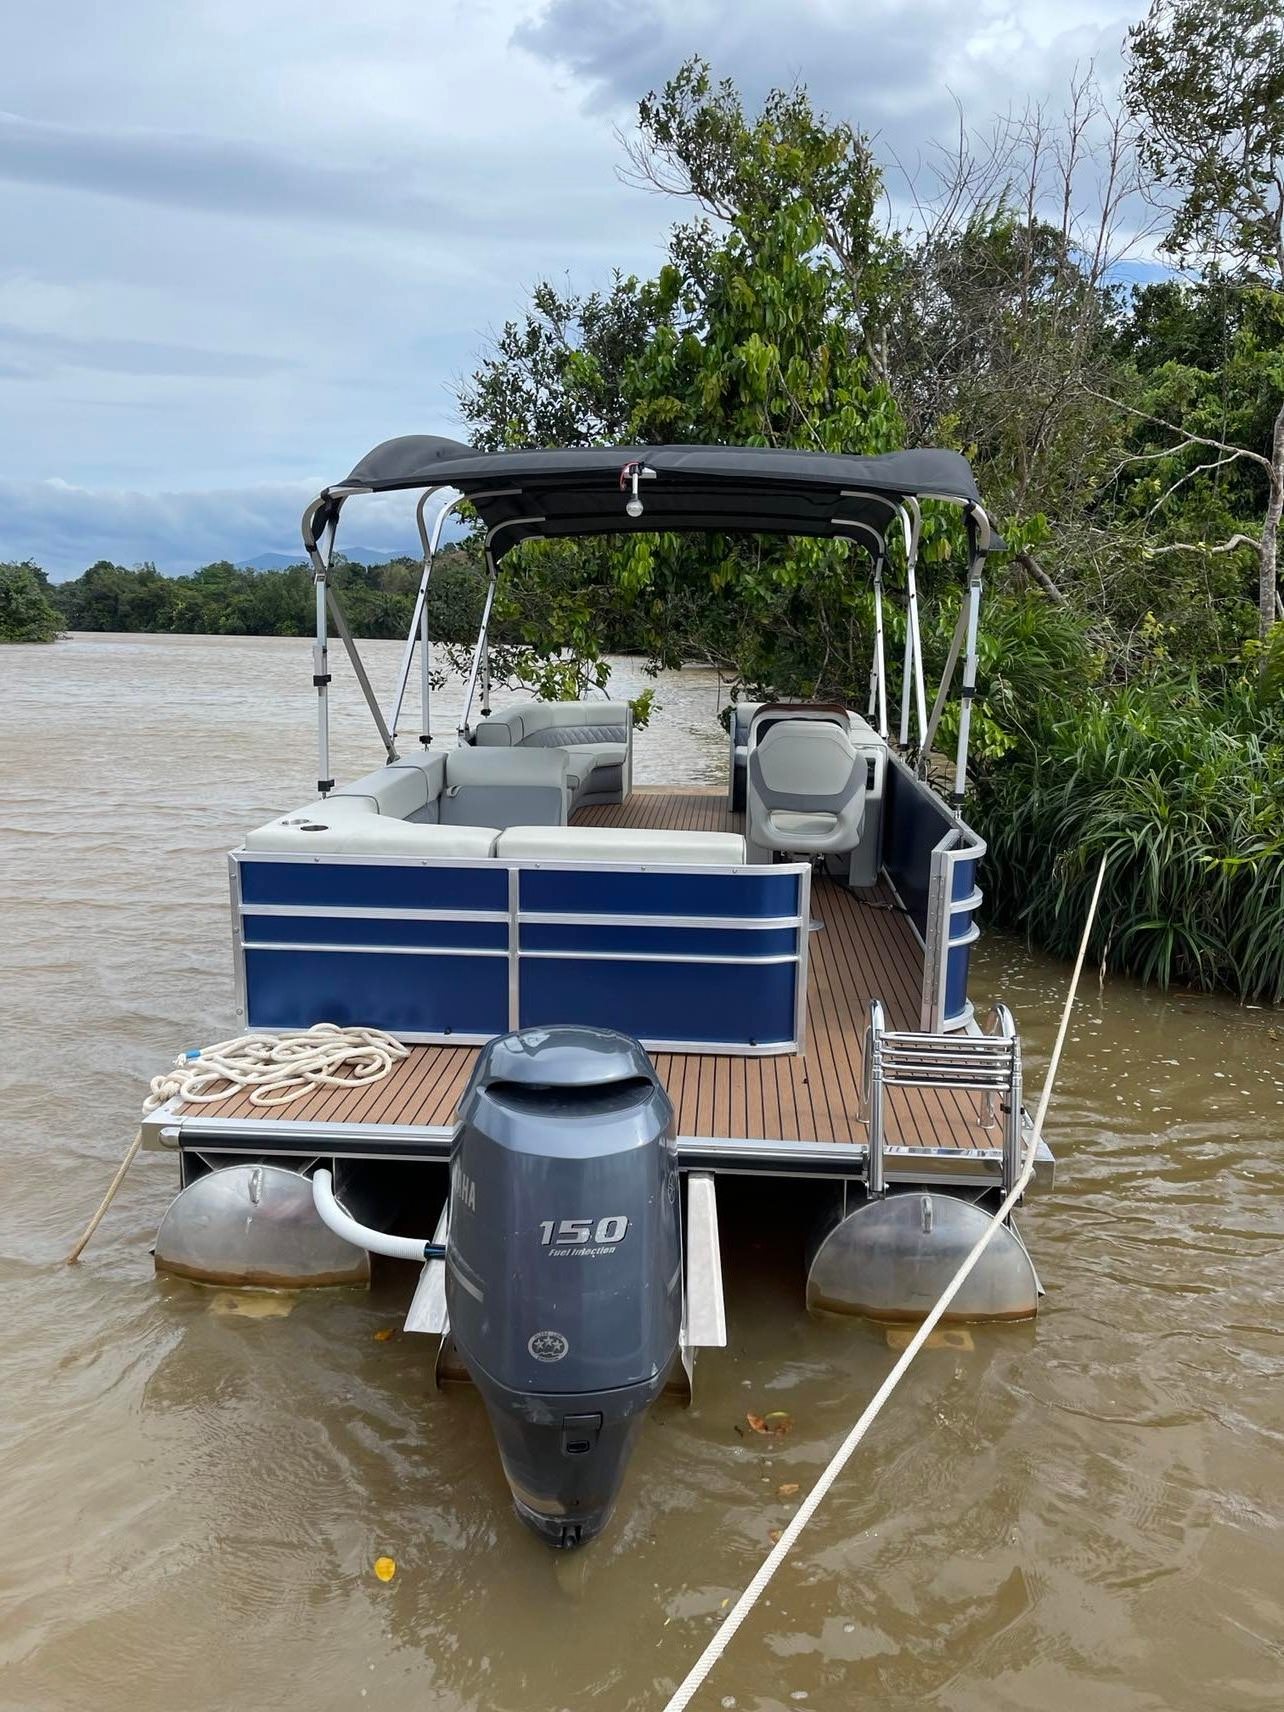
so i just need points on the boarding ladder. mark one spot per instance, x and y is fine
(988, 1063)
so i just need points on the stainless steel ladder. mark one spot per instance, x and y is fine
(988, 1064)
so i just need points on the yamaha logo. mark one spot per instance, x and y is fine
(548, 1346)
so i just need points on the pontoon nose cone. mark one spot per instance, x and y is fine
(257, 1225)
(891, 1258)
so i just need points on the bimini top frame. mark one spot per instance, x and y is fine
(594, 491)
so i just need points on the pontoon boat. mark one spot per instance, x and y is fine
(613, 997)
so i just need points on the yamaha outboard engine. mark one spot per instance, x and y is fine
(564, 1262)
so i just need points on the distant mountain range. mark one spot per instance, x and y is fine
(279, 561)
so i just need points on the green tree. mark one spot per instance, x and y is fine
(26, 612)
(1206, 78)
(760, 329)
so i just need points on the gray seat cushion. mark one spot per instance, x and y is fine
(505, 787)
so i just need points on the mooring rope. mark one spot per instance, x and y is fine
(843, 1455)
(278, 1068)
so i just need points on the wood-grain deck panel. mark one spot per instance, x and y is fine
(865, 948)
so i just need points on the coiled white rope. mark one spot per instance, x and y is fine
(279, 1068)
(842, 1456)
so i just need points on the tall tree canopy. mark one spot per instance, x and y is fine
(1206, 78)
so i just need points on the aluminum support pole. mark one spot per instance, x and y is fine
(320, 562)
(947, 677)
(911, 590)
(425, 673)
(907, 669)
(479, 650)
(419, 627)
(321, 681)
(912, 660)
(358, 666)
(878, 685)
(978, 529)
(968, 691)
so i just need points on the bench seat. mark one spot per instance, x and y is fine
(352, 826)
(630, 846)
(596, 737)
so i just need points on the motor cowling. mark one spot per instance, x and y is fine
(564, 1262)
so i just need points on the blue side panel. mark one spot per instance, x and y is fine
(964, 879)
(914, 823)
(956, 970)
(744, 894)
(655, 1001)
(661, 941)
(367, 930)
(405, 994)
(375, 885)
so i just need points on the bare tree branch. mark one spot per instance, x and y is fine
(1199, 469)
(1029, 563)
(1187, 438)
(1203, 546)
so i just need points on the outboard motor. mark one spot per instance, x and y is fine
(564, 1262)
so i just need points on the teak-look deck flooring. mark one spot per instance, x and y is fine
(865, 949)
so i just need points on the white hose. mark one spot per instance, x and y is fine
(811, 1503)
(279, 1068)
(333, 1216)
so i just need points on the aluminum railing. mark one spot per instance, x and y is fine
(987, 1063)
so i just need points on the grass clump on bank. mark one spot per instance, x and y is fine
(1182, 788)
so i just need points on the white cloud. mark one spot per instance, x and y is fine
(65, 528)
(244, 243)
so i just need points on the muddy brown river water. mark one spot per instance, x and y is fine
(1080, 1516)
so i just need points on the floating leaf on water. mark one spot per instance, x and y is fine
(384, 1334)
(776, 1422)
(788, 1489)
(775, 1535)
(385, 1568)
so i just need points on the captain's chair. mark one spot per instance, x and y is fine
(805, 789)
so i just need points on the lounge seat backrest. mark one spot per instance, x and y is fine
(806, 766)
(555, 725)
(397, 791)
(504, 787)
(631, 845)
(806, 788)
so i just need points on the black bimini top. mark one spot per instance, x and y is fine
(584, 490)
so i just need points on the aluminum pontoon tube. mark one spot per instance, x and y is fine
(334, 1218)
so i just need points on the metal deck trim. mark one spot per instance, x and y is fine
(430, 1143)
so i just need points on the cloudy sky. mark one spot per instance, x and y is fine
(245, 241)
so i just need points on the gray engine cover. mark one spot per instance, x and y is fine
(564, 1269)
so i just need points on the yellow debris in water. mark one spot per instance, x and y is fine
(944, 1337)
(254, 1305)
(385, 1568)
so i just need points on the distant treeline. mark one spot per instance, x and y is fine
(378, 600)
(222, 600)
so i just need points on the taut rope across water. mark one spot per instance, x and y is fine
(687, 1688)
